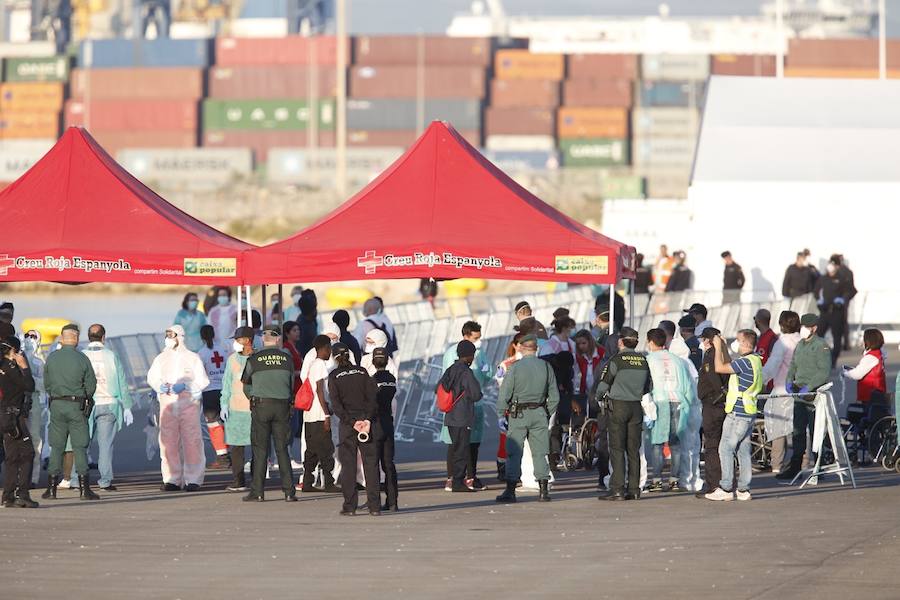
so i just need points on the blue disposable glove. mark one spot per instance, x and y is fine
(178, 388)
(804, 390)
(164, 388)
(648, 422)
(839, 301)
(790, 387)
(223, 414)
(503, 424)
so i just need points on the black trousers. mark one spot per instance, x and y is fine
(319, 451)
(236, 453)
(18, 464)
(212, 405)
(471, 465)
(603, 445)
(833, 320)
(347, 451)
(271, 419)
(625, 424)
(461, 453)
(713, 419)
(804, 420)
(384, 450)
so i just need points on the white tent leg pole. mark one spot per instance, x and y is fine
(281, 305)
(263, 306)
(631, 304)
(240, 309)
(612, 308)
(249, 308)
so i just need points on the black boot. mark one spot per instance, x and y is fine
(501, 471)
(52, 483)
(84, 488)
(544, 495)
(24, 500)
(509, 496)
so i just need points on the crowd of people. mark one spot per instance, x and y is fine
(321, 399)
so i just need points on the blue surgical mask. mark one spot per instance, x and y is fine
(192, 305)
(223, 300)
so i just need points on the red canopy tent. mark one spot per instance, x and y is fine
(77, 216)
(442, 210)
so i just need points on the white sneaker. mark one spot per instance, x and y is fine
(720, 495)
(296, 466)
(448, 487)
(66, 484)
(743, 496)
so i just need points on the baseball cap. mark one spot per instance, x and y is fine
(522, 305)
(339, 348)
(379, 353)
(243, 332)
(809, 320)
(272, 331)
(525, 339)
(696, 308)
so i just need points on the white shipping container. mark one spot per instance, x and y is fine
(665, 122)
(663, 151)
(317, 167)
(26, 49)
(193, 168)
(17, 156)
(259, 28)
(675, 67)
(520, 143)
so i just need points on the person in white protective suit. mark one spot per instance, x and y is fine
(178, 377)
(376, 338)
(31, 347)
(779, 412)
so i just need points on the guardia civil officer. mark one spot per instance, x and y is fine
(354, 400)
(528, 395)
(624, 381)
(70, 383)
(268, 380)
(16, 388)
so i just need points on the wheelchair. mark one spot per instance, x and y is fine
(580, 438)
(863, 441)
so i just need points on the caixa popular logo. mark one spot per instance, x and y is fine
(60, 263)
(370, 261)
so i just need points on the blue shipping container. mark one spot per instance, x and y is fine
(513, 161)
(673, 93)
(121, 53)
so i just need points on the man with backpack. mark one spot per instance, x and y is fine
(528, 395)
(459, 382)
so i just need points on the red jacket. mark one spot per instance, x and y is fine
(765, 344)
(873, 381)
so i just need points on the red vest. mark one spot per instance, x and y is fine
(583, 366)
(874, 379)
(765, 344)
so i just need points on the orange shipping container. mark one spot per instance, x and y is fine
(598, 92)
(31, 97)
(519, 121)
(603, 66)
(744, 64)
(403, 82)
(522, 64)
(113, 141)
(531, 93)
(138, 84)
(434, 49)
(136, 115)
(24, 124)
(592, 123)
(836, 73)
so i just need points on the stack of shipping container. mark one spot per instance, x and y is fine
(850, 59)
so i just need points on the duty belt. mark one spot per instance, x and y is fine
(68, 398)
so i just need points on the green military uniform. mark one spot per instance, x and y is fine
(531, 386)
(268, 382)
(69, 380)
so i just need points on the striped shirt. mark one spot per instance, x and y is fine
(743, 370)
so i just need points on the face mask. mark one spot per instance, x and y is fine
(831, 269)
(222, 300)
(477, 344)
(171, 343)
(295, 298)
(369, 348)
(735, 347)
(238, 347)
(518, 355)
(805, 332)
(192, 305)
(29, 345)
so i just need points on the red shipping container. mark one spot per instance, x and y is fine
(403, 82)
(251, 83)
(840, 54)
(603, 66)
(263, 141)
(520, 121)
(397, 138)
(744, 64)
(598, 92)
(137, 84)
(524, 93)
(135, 115)
(113, 141)
(436, 50)
(290, 50)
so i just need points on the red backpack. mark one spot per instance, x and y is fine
(445, 400)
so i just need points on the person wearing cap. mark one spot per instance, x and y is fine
(744, 385)
(732, 280)
(767, 337)
(112, 402)
(354, 400)
(70, 382)
(686, 344)
(16, 389)
(527, 323)
(711, 388)
(833, 292)
(682, 277)
(341, 318)
(607, 341)
(461, 382)
(178, 377)
(810, 369)
(623, 383)
(384, 426)
(779, 412)
(317, 421)
(529, 395)
(268, 380)
(471, 331)
(698, 312)
(235, 407)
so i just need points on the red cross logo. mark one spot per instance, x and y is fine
(6, 263)
(370, 262)
(217, 359)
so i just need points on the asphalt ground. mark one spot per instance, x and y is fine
(827, 541)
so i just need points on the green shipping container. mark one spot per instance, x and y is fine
(594, 152)
(622, 187)
(267, 115)
(51, 68)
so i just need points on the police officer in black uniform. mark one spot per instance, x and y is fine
(353, 399)
(732, 280)
(268, 380)
(384, 426)
(833, 292)
(16, 386)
